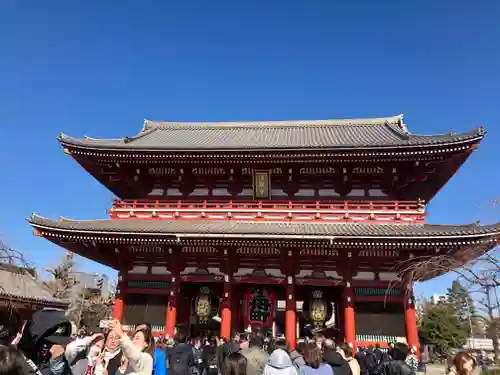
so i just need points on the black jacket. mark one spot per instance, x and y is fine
(45, 328)
(394, 368)
(338, 364)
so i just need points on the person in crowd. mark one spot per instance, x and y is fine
(230, 346)
(210, 359)
(138, 351)
(328, 343)
(360, 357)
(43, 341)
(463, 364)
(159, 360)
(389, 351)
(244, 342)
(370, 361)
(346, 351)
(180, 356)
(256, 357)
(339, 364)
(397, 365)
(483, 361)
(379, 354)
(110, 359)
(411, 359)
(81, 354)
(280, 363)
(314, 361)
(234, 364)
(297, 356)
(11, 361)
(197, 356)
(319, 339)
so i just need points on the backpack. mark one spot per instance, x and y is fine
(179, 362)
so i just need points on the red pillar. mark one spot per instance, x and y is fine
(349, 320)
(290, 314)
(411, 326)
(119, 304)
(225, 326)
(171, 318)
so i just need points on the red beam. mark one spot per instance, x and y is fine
(398, 299)
(146, 277)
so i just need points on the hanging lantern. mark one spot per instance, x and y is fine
(318, 309)
(260, 307)
(203, 306)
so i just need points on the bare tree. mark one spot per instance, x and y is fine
(11, 256)
(478, 267)
(489, 304)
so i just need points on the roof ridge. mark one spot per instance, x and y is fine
(393, 120)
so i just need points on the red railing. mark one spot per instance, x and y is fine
(348, 210)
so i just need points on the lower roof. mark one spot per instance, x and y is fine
(18, 284)
(261, 229)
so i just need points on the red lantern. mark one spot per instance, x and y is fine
(260, 307)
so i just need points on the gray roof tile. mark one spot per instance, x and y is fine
(17, 283)
(314, 134)
(261, 229)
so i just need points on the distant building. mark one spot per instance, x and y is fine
(436, 299)
(22, 293)
(92, 283)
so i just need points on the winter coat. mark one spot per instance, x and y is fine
(354, 365)
(394, 367)
(77, 355)
(139, 362)
(339, 365)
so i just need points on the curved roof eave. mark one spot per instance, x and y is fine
(120, 145)
(229, 229)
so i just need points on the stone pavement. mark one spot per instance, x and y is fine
(434, 369)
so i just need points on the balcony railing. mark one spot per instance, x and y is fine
(340, 211)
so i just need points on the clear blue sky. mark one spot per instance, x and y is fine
(98, 68)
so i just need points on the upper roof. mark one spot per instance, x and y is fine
(370, 133)
(20, 284)
(261, 229)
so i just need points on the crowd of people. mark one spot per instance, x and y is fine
(46, 347)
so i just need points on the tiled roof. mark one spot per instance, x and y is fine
(19, 284)
(228, 228)
(388, 132)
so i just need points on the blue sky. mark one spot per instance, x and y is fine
(98, 68)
